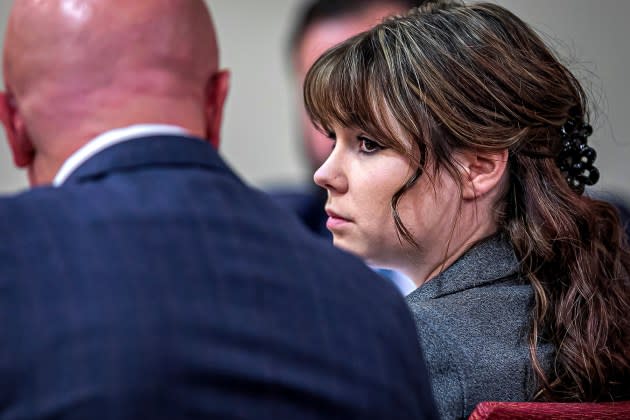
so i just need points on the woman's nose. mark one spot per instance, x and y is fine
(330, 175)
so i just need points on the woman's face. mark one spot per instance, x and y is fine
(361, 177)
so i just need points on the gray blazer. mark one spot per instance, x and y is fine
(472, 322)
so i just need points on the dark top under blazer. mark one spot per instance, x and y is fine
(155, 285)
(473, 324)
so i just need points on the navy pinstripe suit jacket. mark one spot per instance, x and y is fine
(155, 285)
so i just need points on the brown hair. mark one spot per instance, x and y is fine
(450, 76)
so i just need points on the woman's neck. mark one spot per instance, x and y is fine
(434, 261)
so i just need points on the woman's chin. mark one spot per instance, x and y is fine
(349, 246)
(358, 249)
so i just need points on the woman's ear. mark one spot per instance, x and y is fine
(482, 172)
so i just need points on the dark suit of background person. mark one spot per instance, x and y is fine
(154, 284)
(150, 283)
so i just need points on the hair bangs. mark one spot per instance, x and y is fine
(343, 88)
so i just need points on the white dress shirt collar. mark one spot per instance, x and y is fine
(108, 139)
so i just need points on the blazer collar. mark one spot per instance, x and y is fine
(487, 262)
(161, 150)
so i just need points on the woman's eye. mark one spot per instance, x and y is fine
(369, 146)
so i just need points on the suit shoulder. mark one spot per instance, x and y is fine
(17, 207)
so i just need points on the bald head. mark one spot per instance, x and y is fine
(97, 39)
(75, 68)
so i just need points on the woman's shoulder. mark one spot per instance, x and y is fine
(475, 344)
(482, 292)
(485, 322)
(482, 322)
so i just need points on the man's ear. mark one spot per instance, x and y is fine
(19, 141)
(216, 93)
(482, 172)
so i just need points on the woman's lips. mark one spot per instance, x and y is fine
(335, 221)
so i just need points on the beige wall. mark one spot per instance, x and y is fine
(259, 134)
(593, 35)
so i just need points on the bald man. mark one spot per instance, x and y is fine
(139, 277)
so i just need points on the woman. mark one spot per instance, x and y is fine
(460, 159)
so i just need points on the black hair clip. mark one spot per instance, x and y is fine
(576, 158)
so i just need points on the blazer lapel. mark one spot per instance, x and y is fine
(487, 262)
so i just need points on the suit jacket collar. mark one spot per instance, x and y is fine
(487, 262)
(161, 150)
